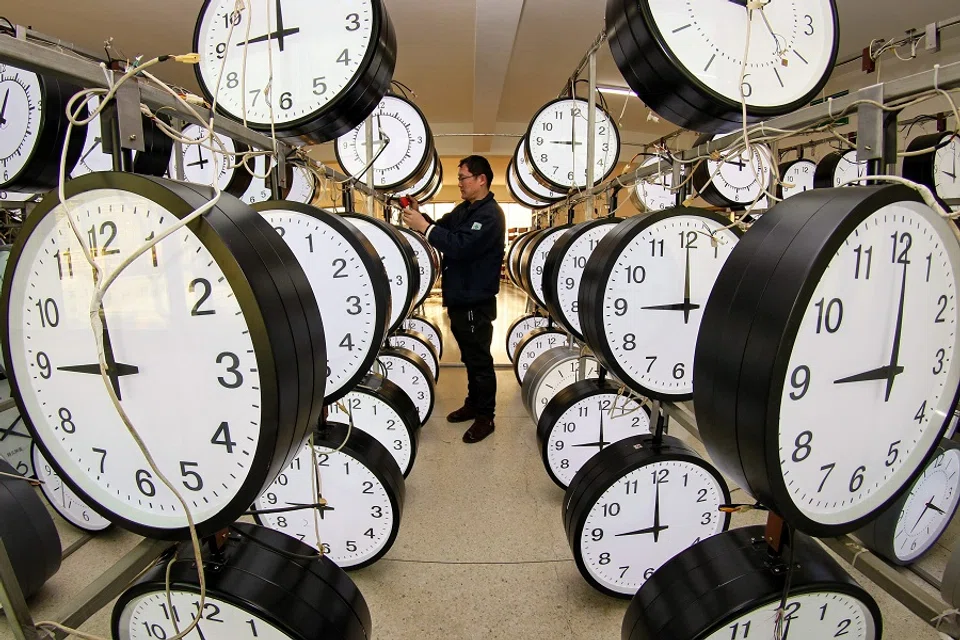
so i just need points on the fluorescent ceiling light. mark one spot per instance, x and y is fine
(617, 91)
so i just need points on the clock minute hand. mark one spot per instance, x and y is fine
(654, 530)
(896, 370)
(880, 373)
(686, 290)
(3, 109)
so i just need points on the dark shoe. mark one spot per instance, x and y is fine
(480, 429)
(463, 414)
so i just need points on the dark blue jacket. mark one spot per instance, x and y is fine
(471, 239)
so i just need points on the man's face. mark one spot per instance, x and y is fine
(471, 186)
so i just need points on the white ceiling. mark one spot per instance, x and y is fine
(476, 66)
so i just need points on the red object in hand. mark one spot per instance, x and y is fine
(405, 201)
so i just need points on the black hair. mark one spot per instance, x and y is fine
(478, 166)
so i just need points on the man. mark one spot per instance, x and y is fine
(471, 239)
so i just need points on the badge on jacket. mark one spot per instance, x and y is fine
(476, 226)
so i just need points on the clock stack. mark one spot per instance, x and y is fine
(532, 346)
(551, 373)
(533, 259)
(423, 326)
(656, 192)
(421, 345)
(527, 182)
(427, 265)
(520, 328)
(736, 180)
(411, 373)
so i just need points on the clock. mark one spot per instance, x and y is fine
(423, 326)
(429, 184)
(513, 185)
(199, 163)
(93, 158)
(635, 505)
(220, 317)
(518, 259)
(643, 292)
(382, 409)
(325, 71)
(745, 589)
(28, 533)
(556, 144)
(912, 525)
(303, 188)
(527, 179)
(420, 345)
(520, 328)
(33, 130)
(398, 259)
(656, 192)
(532, 346)
(361, 491)
(737, 180)
(837, 168)
(427, 267)
(257, 586)
(349, 282)
(513, 256)
(258, 189)
(686, 64)
(583, 419)
(15, 440)
(152, 161)
(409, 372)
(402, 146)
(563, 271)
(842, 298)
(938, 168)
(551, 373)
(796, 177)
(63, 500)
(532, 261)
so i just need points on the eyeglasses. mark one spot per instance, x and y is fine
(462, 178)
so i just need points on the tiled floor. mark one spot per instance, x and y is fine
(481, 552)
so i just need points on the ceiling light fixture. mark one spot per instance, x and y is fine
(617, 91)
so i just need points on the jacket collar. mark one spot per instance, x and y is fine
(473, 205)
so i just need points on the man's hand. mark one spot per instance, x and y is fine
(415, 220)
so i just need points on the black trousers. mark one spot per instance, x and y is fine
(473, 329)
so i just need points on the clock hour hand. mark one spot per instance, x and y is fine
(3, 109)
(601, 444)
(94, 369)
(880, 373)
(930, 505)
(654, 530)
(686, 307)
(96, 143)
(952, 175)
(569, 143)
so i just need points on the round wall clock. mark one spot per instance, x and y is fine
(643, 293)
(521, 196)
(738, 180)
(63, 500)
(256, 589)
(428, 269)
(563, 271)
(303, 188)
(635, 505)
(329, 70)
(152, 161)
(556, 144)
(15, 440)
(420, 345)
(842, 298)
(912, 525)
(838, 168)
(527, 179)
(796, 176)
(258, 189)
(349, 282)
(532, 346)
(938, 168)
(382, 409)
(656, 192)
(685, 65)
(199, 162)
(398, 259)
(428, 183)
(409, 372)
(362, 492)
(402, 146)
(423, 326)
(33, 130)
(583, 419)
(520, 328)
(745, 590)
(533, 259)
(234, 334)
(551, 373)
(517, 255)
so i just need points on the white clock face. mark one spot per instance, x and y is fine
(848, 169)
(538, 258)
(358, 519)
(654, 297)
(945, 163)
(20, 113)
(394, 261)
(513, 183)
(558, 143)
(424, 267)
(422, 349)
(425, 327)
(791, 46)
(258, 191)
(570, 273)
(149, 617)
(647, 517)
(199, 163)
(344, 291)
(177, 331)
(743, 177)
(877, 345)
(534, 348)
(93, 158)
(64, 500)
(401, 142)
(527, 178)
(587, 427)
(15, 440)
(558, 378)
(655, 193)
(422, 183)
(315, 55)
(929, 507)
(798, 178)
(303, 187)
(810, 615)
(412, 380)
(378, 419)
(521, 329)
